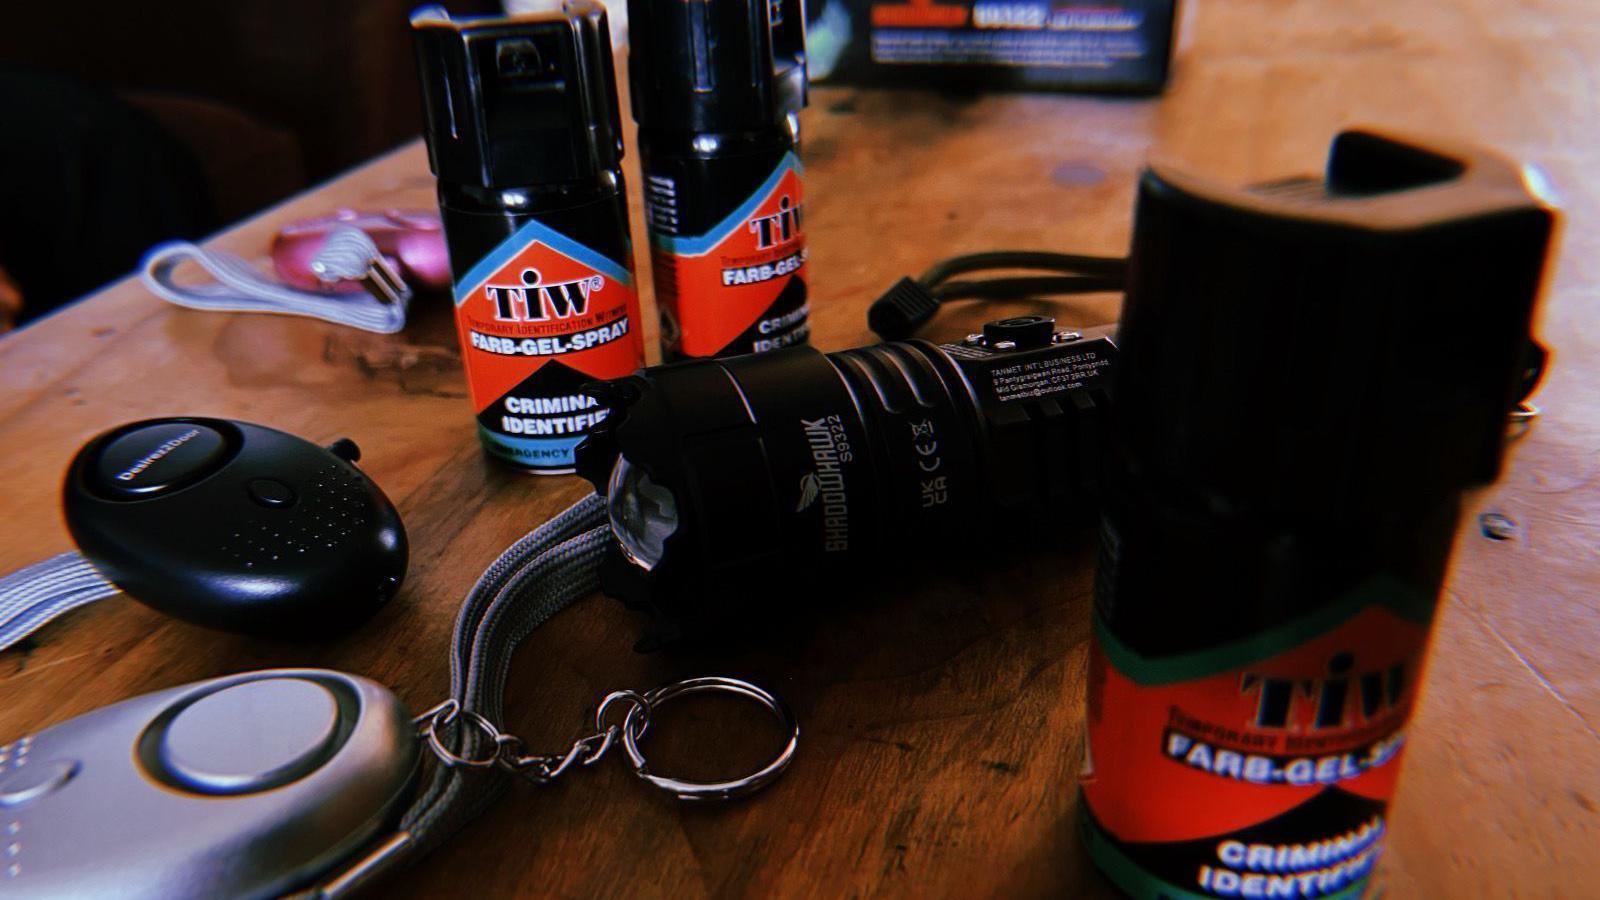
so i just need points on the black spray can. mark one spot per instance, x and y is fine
(1312, 372)
(525, 137)
(717, 90)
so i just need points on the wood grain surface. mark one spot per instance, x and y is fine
(941, 707)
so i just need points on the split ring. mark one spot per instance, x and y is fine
(633, 730)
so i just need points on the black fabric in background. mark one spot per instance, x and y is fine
(87, 185)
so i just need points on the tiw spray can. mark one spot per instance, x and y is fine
(1311, 373)
(524, 135)
(717, 88)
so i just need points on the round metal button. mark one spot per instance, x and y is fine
(252, 736)
(27, 784)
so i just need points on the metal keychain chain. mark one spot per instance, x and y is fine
(540, 575)
(508, 750)
(509, 753)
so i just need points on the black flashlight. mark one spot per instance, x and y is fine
(780, 469)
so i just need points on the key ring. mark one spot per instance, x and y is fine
(638, 721)
(506, 751)
(442, 715)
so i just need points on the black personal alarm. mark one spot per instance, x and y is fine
(236, 526)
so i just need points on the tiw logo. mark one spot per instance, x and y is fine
(1343, 697)
(778, 228)
(531, 301)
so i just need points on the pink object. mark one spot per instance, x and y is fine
(412, 242)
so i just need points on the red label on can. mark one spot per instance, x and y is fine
(1258, 769)
(538, 317)
(728, 282)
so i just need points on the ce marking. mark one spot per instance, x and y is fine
(926, 443)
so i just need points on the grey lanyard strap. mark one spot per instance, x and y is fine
(537, 577)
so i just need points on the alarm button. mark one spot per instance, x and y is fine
(270, 492)
(151, 459)
(252, 737)
(26, 784)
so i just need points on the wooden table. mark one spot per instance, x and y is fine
(943, 720)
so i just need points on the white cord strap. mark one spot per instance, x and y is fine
(239, 287)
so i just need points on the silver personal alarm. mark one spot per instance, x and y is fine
(249, 785)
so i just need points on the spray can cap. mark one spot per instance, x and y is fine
(716, 65)
(1344, 345)
(518, 101)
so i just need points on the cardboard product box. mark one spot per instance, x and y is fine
(1111, 46)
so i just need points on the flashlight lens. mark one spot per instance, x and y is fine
(643, 514)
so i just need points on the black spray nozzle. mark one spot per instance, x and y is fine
(1331, 345)
(716, 65)
(517, 101)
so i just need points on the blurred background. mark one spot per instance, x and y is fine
(126, 124)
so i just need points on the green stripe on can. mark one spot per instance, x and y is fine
(1145, 670)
